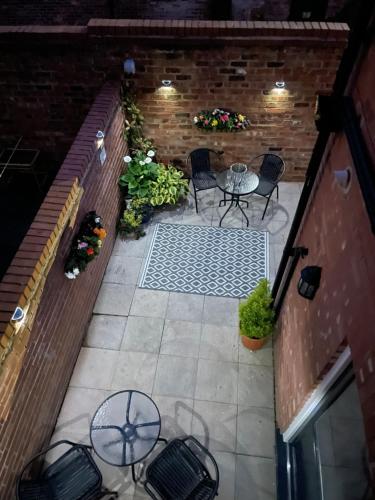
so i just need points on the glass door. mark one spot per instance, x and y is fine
(329, 456)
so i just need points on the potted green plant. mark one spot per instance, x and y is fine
(257, 318)
(130, 224)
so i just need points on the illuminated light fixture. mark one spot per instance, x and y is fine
(99, 138)
(343, 177)
(166, 83)
(129, 67)
(280, 84)
(309, 281)
(18, 314)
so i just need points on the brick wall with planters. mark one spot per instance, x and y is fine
(36, 372)
(48, 105)
(337, 232)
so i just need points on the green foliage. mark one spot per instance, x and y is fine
(257, 318)
(133, 122)
(168, 187)
(130, 223)
(139, 175)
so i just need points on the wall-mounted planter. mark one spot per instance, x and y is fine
(221, 120)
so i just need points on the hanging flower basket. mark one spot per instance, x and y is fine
(219, 119)
(86, 245)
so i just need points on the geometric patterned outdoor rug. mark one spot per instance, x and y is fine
(206, 260)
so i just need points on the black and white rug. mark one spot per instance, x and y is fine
(206, 260)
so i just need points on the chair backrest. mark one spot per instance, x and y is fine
(272, 167)
(203, 160)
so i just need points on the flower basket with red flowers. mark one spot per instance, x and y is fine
(221, 120)
(86, 245)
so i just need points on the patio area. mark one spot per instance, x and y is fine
(184, 351)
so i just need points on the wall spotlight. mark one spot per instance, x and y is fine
(280, 84)
(129, 67)
(343, 177)
(309, 281)
(18, 314)
(99, 138)
(166, 83)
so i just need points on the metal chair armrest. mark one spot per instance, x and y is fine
(149, 491)
(41, 453)
(206, 452)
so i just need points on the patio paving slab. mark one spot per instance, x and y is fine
(152, 303)
(176, 416)
(175, 376)
(255, 475)
(255, 386)
(114, 299)
(105, 331)
(217, 381)
(142, 334)
(78, 409)
(262, 357)
(215, 425)
(220, 311)
(94, 368)
(256, 432)
(227, 470)
(135, 370)
(181, 338)
(219, 343)
(123, 271)
(185, 307)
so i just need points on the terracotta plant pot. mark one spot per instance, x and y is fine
(253, 344)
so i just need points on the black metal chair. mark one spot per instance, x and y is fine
(179, 472)
(73, 476)
(202, 163)
(270, 172)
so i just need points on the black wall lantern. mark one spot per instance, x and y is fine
(309, 281)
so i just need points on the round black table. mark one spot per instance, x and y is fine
(249, 182)
(125, 428)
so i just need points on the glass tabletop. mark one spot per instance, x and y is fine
(125, 428)
(248, 183)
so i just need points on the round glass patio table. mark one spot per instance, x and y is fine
(125, 428)
(248, 184)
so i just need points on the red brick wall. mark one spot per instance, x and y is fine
(66, 305)
(163, 9)
(49, 86)
(52, 11)
(337, 233)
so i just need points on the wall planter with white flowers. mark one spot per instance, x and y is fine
(86, 245)
(221, 120)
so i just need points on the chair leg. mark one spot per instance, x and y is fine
(265, 210)
(196, 201)
(277, 192)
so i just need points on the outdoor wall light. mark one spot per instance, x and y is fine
(166, 83)
(280, 84)
(309, 281)
(129, 67)
(99, 138)
(18, 314)
(343, 177)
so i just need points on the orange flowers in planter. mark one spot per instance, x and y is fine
(100, 232)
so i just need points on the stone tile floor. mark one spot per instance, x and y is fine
(184, 351)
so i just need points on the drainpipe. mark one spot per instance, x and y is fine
(360, 34)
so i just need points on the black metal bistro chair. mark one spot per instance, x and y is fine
(179, 472)
(270, 172)
(73, 476)
(202, 163)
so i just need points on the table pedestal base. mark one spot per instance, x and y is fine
(234, 202)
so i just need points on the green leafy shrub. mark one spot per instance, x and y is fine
(141, 171)
(168, 187)
(257, 318)
(130, 223)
